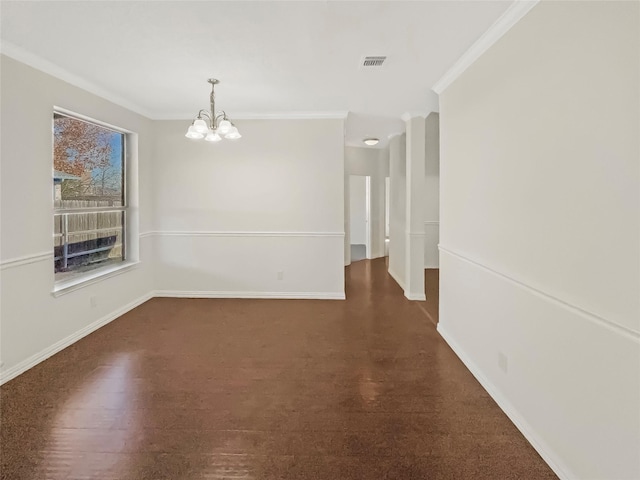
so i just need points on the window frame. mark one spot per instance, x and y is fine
(82, 279)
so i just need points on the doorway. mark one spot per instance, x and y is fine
(360, 216)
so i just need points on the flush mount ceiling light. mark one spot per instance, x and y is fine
(210, 125)
(371, 141)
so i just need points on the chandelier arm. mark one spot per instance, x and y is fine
(208, 116)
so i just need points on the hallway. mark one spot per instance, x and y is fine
(264, 389)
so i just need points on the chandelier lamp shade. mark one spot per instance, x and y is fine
(212, 126)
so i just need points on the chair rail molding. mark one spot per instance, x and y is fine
(214, 233)
(26, 259)
(592, 316)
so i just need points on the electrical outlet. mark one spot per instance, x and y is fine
(503, 362)
(93, 301)
(280, 275)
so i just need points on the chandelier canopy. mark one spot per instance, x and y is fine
(210, 125)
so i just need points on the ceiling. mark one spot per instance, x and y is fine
(272, 57)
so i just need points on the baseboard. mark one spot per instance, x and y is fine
(396, 277)
(33, 360)
(416, 296)
(410, 296)
(518, 420)
(271, 295)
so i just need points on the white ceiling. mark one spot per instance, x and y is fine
(271, 57)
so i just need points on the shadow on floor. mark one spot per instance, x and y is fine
(432, 291)
(358, 252)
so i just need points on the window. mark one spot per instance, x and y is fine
(90, 207)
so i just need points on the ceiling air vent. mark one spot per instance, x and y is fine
(373, 61)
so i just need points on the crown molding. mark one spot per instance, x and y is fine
(21, 55)
(406, 116)
(339, 115)
(502, 25)
(392, 135)
(320, 115)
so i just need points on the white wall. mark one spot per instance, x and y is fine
(230, 216)
(432, 192)
(372, 162)
(387, 200)
(540, 192)
(35, 324)
(397, 207)
(358, 209)
(347, 215)
(416, 150)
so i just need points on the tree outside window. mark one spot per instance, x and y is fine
(89, 195)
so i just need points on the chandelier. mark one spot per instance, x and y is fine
(210, 125)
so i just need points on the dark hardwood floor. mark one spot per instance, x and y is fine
(431, 307)
(262, 389)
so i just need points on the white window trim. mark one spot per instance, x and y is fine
(63, 287)
(131, 239)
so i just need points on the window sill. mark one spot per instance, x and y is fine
(67, 286)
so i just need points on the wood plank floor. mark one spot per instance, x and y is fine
(262, 389)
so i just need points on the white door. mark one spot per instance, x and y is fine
(359, 215)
